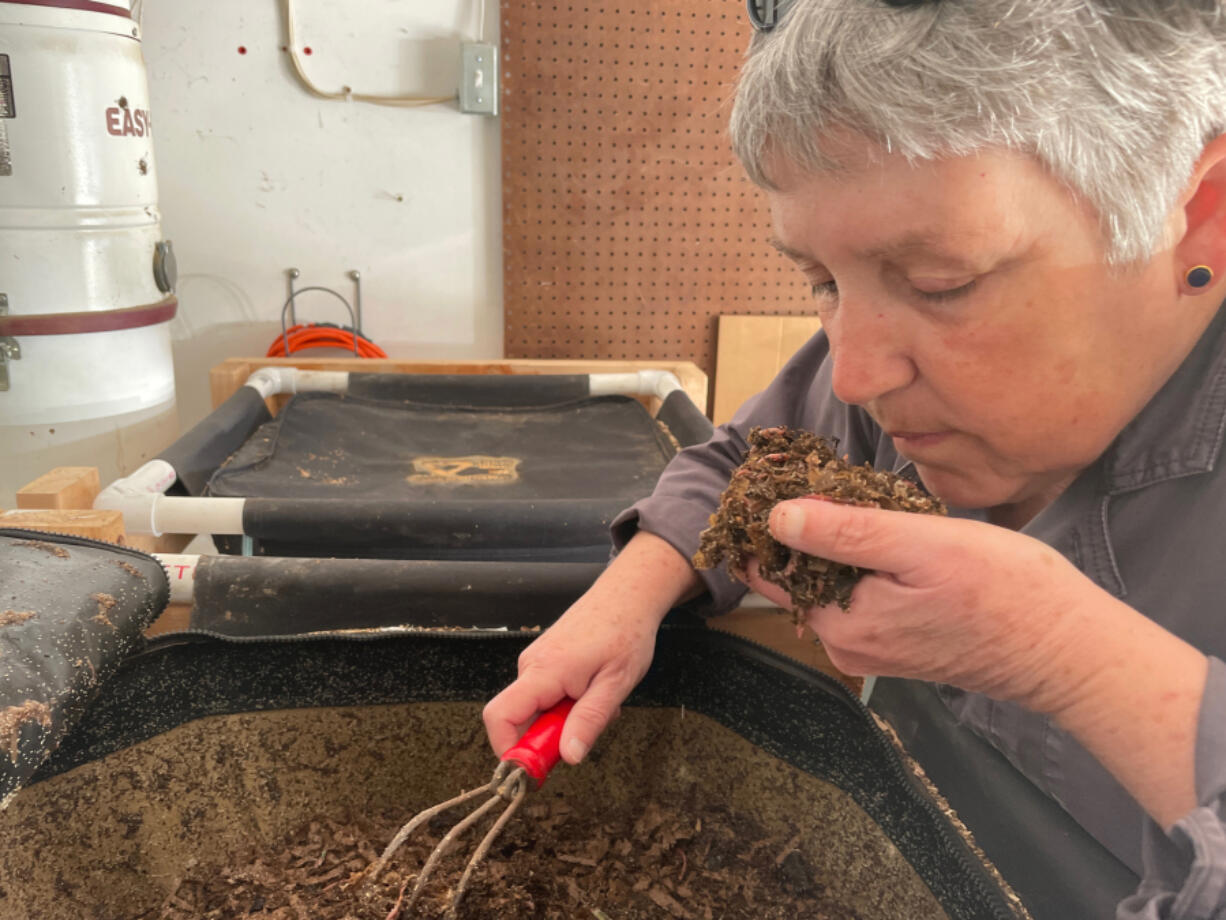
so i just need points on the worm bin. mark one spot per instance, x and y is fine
(203, 765)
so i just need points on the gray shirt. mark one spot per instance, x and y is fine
(1144, 523)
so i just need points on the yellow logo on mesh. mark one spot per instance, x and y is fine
(438, 470)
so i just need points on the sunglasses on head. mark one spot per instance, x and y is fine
(766, 14)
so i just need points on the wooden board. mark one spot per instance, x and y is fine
(227, 377)
(752, 349)
(628, 224)
(774, 629)
(97, 525)
(62, 487)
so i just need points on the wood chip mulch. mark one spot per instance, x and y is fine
(646, 861)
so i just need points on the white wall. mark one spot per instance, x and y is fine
(255, 176)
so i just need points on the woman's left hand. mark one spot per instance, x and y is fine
(995, 612)
(955, 601)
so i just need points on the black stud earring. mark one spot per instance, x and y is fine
(1199, 277)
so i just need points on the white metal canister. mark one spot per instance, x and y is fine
(86, 283)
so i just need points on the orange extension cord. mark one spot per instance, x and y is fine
(314, 335)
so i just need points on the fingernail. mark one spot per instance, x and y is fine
(576, 750)
(787, 521)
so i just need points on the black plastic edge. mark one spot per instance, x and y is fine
(1046, 855)
(498, 524)
(266, 596)
(506, 390)
(199, 452)
(688, 425)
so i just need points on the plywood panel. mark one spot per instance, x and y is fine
(752, 349)
(628, 226)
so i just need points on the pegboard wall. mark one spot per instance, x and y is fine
(628, 225)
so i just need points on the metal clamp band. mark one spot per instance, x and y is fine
(91, 320)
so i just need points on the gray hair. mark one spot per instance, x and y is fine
(1117, 98)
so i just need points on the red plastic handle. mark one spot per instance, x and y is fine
(537, 749)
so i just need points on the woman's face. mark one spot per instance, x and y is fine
(970, 312)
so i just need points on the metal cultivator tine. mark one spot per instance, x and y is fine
(518, 789)
(533, 756)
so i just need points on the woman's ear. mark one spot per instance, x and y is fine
(1199, 224)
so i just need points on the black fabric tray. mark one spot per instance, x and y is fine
(327, 445)
(357, 475)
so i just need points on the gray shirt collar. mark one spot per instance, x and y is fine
(1179, 432)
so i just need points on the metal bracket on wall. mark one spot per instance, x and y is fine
(9, 349)
(292, 275)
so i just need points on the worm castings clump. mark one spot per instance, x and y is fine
(786, 463)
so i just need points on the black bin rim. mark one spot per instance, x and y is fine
(793, 712)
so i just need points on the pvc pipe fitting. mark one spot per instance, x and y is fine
(136, 495)
(655, 382)
(272, 381)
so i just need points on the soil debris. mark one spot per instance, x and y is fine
(58, 551)
(785, 463)
(13, 718)
(130, 569)
(105, 603)
(13, 617)
(639, 862)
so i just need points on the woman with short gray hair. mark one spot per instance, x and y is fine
(1012, 216)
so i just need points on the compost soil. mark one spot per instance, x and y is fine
(552, 862)
(785, 463)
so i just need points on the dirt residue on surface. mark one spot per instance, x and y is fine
(669, 436)
(105, 603)
(58, 551)
(130, 569)
(788, 463)
(13, 617)
(13, 718)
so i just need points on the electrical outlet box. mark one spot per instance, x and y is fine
(478, 78)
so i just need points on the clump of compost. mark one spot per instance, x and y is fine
(788, 463)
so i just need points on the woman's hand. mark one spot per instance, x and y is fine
(955, 601)
(999, 613)
(597, 651)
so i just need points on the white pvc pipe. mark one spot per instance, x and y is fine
(156, 514)
(174, 514)
(134, 495)
(640, 383)
(870, 683)
(181, 570)
(271, 381)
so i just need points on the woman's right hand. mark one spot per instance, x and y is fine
(597, 651)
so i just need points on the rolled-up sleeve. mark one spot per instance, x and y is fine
(1185, 870)
(681, 506)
